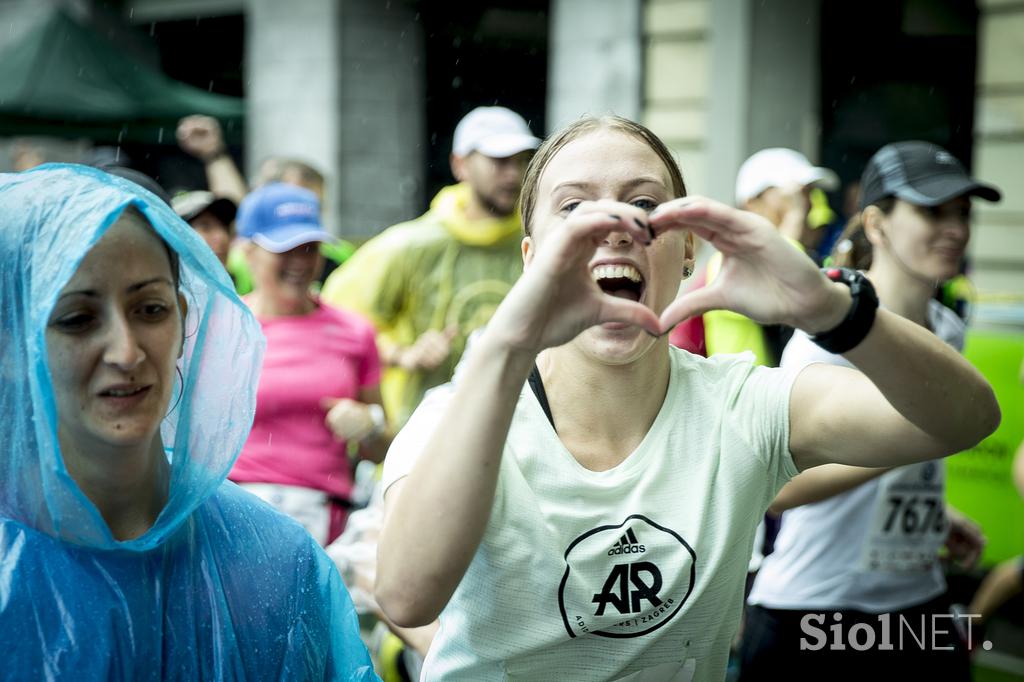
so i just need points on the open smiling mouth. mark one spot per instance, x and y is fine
(622, 281)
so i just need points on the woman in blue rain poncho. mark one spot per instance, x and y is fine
(129, 374)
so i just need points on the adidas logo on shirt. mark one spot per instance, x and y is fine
(627, 544)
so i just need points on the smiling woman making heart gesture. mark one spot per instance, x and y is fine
(583, 502)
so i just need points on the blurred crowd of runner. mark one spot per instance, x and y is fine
(363, 341)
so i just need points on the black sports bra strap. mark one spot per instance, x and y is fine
(537, 385)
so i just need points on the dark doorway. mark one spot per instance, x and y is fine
(205, 52)
(896, 70)
(481, 54)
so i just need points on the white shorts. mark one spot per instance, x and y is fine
(310, 507)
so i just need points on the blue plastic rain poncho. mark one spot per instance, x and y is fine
(221, 587)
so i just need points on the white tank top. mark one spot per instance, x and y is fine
(873, 548)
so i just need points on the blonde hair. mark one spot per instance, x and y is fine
(277, 168)
(577, 129)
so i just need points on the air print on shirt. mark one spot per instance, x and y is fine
(625, 580)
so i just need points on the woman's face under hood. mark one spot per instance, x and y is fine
(113, 339)
(127, 372)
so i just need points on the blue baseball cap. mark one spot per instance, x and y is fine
(278, 217)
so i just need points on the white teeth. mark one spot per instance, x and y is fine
(616, 272)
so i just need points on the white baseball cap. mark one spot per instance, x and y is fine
(780, 167)
(493, 131)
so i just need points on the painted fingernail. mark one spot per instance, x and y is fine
(642, 226)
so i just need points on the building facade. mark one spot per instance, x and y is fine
(368, 90)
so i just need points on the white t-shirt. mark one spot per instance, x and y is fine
(873, 548)
(632, 573)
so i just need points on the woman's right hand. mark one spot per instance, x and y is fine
(557, 297)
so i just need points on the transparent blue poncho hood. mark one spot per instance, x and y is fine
(221, 586)
(51, 218)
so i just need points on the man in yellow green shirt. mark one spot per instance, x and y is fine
(427, 283)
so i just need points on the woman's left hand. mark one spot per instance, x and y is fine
(348, 420)
(763, 276)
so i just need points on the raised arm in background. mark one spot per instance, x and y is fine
(201, 136)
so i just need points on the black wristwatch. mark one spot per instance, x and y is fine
(857, 323)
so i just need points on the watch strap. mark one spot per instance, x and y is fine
(848, 334)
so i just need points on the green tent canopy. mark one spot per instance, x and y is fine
(61, 76)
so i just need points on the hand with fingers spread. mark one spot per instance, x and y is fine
(559, 296)
(762, 276)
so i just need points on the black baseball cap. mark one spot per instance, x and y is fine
(190, 204)
(921, 173)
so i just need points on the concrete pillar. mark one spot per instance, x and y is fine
(729, 96)
(725, 79)
(293, 104)
(382, 117)
(340, 84)
(595, 58)
(764, 84)
(785, 74)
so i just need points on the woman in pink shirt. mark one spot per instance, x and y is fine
(319, 388)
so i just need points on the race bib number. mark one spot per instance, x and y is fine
(908, 526)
